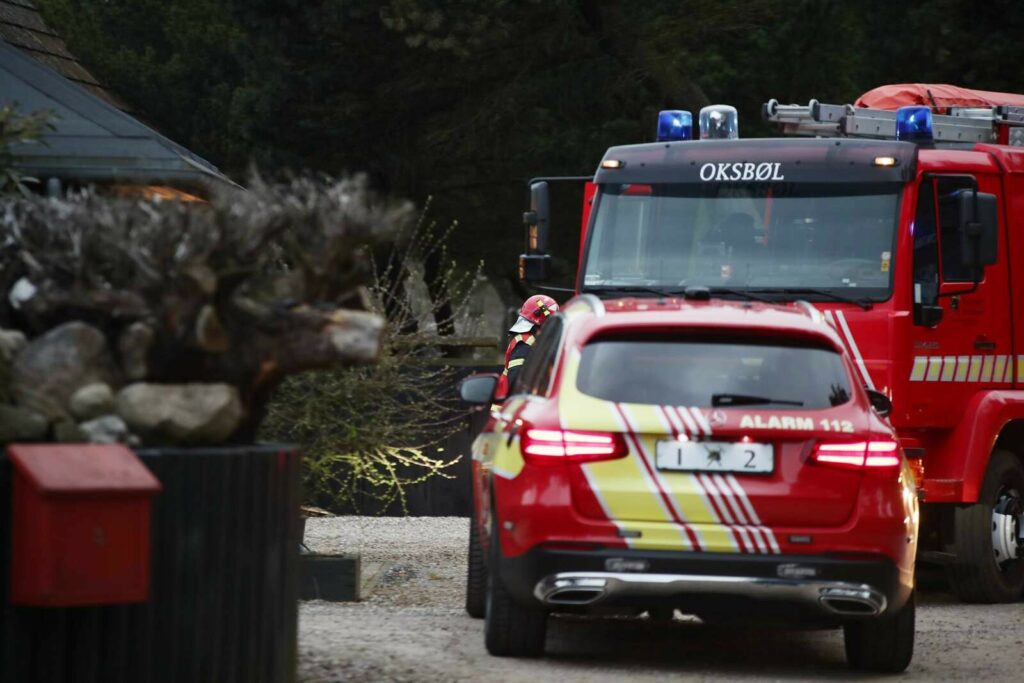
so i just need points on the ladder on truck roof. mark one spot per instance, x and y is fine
(961, 125)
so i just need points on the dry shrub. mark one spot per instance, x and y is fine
(371, 431)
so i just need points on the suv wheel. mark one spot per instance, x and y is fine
(988, 537)
(885, 644)
(476, 574)
(510, 630)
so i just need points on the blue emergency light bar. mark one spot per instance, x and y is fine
(914, 124)
(674, 124)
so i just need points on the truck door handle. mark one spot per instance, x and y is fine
(983, 344)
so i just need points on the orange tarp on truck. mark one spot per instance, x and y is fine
(938, 96)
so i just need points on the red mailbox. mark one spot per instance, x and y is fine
(80, 531)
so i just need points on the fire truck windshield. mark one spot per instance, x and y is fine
(838, 238)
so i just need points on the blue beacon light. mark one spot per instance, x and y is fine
(914, 124)
(674, 124)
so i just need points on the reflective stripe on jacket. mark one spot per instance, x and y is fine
(518, 346)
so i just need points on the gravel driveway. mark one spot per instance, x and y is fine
(411, 627)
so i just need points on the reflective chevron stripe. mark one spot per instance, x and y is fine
(838, 322)
(654, 479)
(715, 507)
(723, 494)
(987, 369)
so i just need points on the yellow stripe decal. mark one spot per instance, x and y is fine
(1000, 369)
(986, 369)
(975, 369)
(724, 540)
(622, 486)
(962, 364)
(997, 368)
(629, 493)
(680, 488)
(948, 367)
(920, 363)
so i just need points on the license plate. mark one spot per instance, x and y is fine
(715, 456)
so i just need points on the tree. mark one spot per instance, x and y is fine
(374, 431)
(464, 101)
(16, 128)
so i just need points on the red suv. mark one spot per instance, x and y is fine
(717, 458)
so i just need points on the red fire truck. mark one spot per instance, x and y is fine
(898, 219)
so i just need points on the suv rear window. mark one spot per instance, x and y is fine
(713, 373)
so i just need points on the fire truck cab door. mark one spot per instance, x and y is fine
(969, 348)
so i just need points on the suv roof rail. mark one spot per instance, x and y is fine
(596, 305)
(808, 308)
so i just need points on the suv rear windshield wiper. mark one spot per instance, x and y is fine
(863, 303)
(726, 400)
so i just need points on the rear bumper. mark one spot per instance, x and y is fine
(791, 588)
(840, 598)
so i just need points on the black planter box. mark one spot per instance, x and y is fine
(330, 577)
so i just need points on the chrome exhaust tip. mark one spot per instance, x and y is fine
(853, 602)
(576, 590)
(574, 596)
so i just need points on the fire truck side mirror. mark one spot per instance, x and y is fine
(537, 219)
(534, 267)
(535, 264)
(880, 402)
(979, 231)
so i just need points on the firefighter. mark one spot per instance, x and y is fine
(522, 336)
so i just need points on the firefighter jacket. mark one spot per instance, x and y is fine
(515, 355)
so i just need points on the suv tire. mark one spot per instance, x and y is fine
(976, 575)
(476, 574)
(510, 630)
(884, 644)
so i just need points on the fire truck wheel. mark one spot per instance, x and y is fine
(476, 574)
(510, 630)
(986, 536)
(885, 644)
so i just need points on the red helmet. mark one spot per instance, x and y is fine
(535, 311)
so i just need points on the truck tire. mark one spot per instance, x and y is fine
(883, 645)
(980, 572)
(510, 630)
(476, 574)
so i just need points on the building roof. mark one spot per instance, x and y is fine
(93, 141)
(22, 26)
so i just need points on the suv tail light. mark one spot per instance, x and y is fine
(552, 446)
(869, 455)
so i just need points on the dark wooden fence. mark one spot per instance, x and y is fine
(224, 584)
